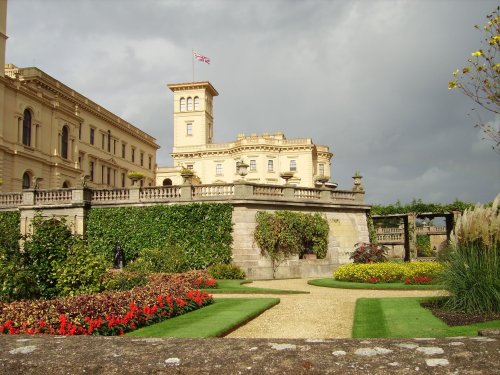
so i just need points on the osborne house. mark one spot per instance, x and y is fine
(63, 155)
(267, 155)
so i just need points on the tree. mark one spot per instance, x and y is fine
(479, 80)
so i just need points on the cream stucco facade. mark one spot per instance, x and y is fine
(51, 132)
(267, 155)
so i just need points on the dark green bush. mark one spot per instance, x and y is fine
(226, 272)
(46, 247)
(204, 231)
(80, 272)
(124, 280)
(169, 258)
(9, 231)
(16, 280)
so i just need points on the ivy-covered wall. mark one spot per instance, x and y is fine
(204, 231)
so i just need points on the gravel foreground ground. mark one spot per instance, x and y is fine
(324, 313)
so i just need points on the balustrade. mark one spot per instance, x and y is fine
(46, 197)
(162, 193)
(11, 199)
(110, 195)
(267, 191)
(302, 193)
(202, 191)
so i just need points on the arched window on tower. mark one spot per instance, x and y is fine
(196, 103)
(27, 127)
(183, 104)
(64, 142)
(190, 104)
(167, 182)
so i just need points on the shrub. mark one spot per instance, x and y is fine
(226, 272)
(368, 253)
(472, 273)
(390, 272)
(45, 248)
(80, 272)
(123, 280)
(9, 232)
(170, 258)
(424, 246)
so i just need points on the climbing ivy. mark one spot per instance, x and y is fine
(283, 234)
(418, 206)
(9, 231)
(203, 231)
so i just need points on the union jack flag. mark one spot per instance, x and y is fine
(199, 57)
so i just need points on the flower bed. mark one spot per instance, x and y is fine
(409, 273)
(109, 313)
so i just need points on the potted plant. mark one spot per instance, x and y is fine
(187, 175)
(135, 176)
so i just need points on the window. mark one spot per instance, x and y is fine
(270, 166)
(196, 103)
(27, 127)
(103, 141)
(183, 104)
(142, 159)
(167, 182)
(91, 168)
(108, 176)
(133, 155)
(109, 140)
(123, 150)
(189, 129)
(123, 180)
(321, 169)
(293, 166)
(65, 185)
(149, 162)
(253, 165)
(103, 174)
(190, 166)
(190, 104)
(80, 132)
(92, 133)
(218, 170)
(26, 180)
(114, 146)
(64, 142)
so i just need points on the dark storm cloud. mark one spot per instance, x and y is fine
(367, 78)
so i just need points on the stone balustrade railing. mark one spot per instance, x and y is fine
(431, 230)
(216, 192)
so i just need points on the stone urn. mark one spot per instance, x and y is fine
(187, 176)
(135, 177)
(286, 176)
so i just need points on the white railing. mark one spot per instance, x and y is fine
(110, 195)
(46, 197)
(203, 191)
(342, 195)
(162, 193)
(431, 230)
(302, 193)
(268, 191)
(11, 199)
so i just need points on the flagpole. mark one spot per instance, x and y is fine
(192, 58)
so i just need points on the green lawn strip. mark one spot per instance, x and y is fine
(239, 286)
(405, 318)
(214, 320)
(332, 283)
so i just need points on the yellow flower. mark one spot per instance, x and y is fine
(477, 53)
(452, 85)
(455, 72)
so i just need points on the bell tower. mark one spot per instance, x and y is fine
(193, 114)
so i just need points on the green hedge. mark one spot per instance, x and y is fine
(10, 230)
(204, 231)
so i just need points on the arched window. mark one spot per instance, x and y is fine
(27, 127)
(190, 104)
(64, 142)
(26, 180)
(183, 104)
(65, 185)
(167, 182)
(196, 103)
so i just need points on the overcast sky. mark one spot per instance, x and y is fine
(367, 78)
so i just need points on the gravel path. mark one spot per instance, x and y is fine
(324, 313)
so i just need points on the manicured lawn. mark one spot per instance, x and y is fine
(240, 286)
(404, 317)
(332, 283)
(215, 320)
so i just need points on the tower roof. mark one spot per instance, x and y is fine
(193, 86)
